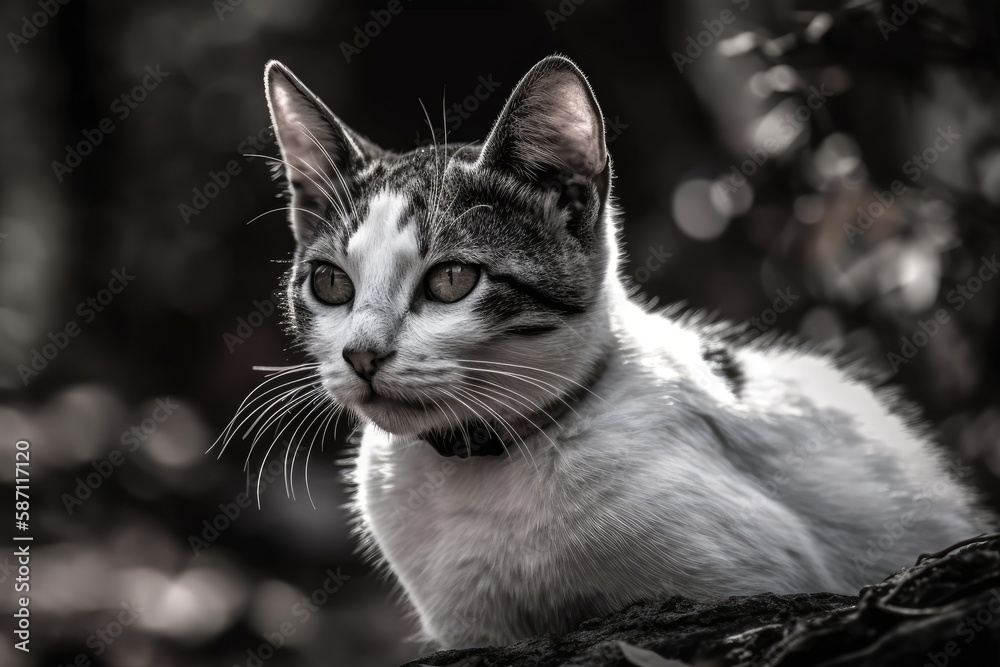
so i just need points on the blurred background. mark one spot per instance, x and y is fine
(824, 169)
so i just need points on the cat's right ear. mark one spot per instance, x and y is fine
(551, 123)
(321, 154)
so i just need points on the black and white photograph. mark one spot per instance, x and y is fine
(569, 333)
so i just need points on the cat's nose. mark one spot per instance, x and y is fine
(366, 362)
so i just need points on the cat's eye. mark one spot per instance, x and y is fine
(331, 285)
(451, 281)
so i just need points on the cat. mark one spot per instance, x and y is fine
(538, 446)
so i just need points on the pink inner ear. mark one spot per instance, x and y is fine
(291, 121)
(573, 117)
(558, 125)
(299, 129)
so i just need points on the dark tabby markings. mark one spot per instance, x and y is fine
(550, 302)
(536, 330)
(722, 362)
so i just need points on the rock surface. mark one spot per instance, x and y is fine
(943, 611)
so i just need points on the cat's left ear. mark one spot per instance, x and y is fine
(551, 124)
(321, 154)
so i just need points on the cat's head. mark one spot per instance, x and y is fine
(449, 284)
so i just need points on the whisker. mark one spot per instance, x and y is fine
(507, 392)
(328, 410)
(540, 384)
(292, 166)
(289, 482)
(458, 421)
(324, 426)
(288, 208)
(519, 441)
(480, 418)
(307, 177)
(339, 207)
(532, 368)
(252, 398)
(271, 378)
(277, 438)
(336, 424)
(294, 402)
(333, 164)
(302, 394)
(471, 209)
(437, 175)
(278, 370)
(481, 392)
(570, 327)
(444, 414)
(266, 405)
(444, 127)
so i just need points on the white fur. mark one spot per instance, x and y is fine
(638, 497)
(663, 480)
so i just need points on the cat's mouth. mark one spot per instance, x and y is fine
(375, 399)
(393, 413)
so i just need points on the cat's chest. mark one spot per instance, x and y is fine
(421, 506)
(512, 525)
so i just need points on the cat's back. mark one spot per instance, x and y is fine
(802, 434)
